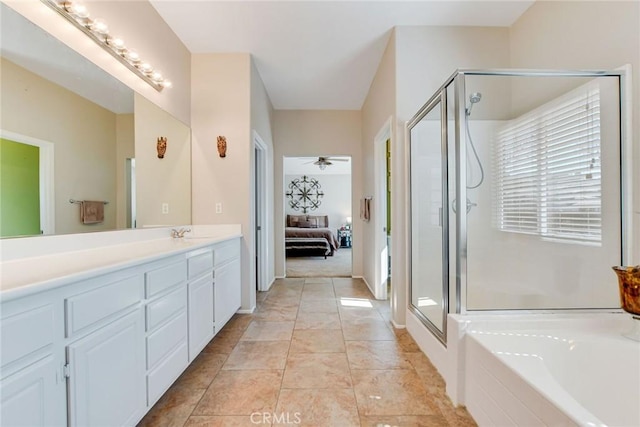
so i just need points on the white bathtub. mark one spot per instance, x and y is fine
(552, 370)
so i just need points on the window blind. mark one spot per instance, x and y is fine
(547, 170)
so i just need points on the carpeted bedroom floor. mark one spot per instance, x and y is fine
(338, 265)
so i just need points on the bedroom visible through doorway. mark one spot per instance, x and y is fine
(318, 216)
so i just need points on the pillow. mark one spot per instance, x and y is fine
(322, 221)
(292, 220)
(310, 223)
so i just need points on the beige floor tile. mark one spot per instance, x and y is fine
(238, 321)
(355, 314)
(202, 370)
(277, 314)
(318, 408)
(291, 301)
(317, 370)
(315, 280)
(367, 330)
(260, 330)
(289, 293)
(391, 392)
(224, 341)
(317, 341)
(325, 289)
(325, 305)
(258, 355)
(376, 355)
(404, 421)
(225, 421)
(431, 379)
(173, 408)
(353, 292)
(405, 340)
(241, 393)
(347, 281)
(307, 320)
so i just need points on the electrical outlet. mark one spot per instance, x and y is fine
(165, 208)
(218, 208)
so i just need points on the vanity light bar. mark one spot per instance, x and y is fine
(98, 31)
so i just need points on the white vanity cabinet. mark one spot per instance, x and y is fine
(228, 292)
(200, 267)
(32, 383)
(103, 349)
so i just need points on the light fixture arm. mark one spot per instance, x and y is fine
(105, 41)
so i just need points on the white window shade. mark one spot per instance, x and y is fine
(547, 174)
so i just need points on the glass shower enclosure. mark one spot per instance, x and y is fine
(518, 184)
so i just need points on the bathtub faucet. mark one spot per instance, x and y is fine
(176, 234)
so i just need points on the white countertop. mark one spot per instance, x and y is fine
(28, 275)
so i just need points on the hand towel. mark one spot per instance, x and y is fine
(91, 212)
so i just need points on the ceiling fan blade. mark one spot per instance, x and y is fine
(338, 160)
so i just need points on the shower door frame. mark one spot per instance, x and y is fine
(439, 98)
(623, 75)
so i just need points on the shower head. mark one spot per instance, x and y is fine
(474, 98)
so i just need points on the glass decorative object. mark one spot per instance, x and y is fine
(629, 284)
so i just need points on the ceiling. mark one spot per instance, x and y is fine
(318, 54)
(305, 166)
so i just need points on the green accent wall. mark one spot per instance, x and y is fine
(19, 189)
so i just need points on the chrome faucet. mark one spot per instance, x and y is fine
(177, 234)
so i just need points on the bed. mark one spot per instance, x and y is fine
(309, 235)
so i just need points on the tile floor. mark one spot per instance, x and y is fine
(317, 352)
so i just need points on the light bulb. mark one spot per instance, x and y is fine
(146, 68)
(156, 76)
(322, 166)
(116, 43)
(166, 83)
(76, 9)
(99, 26)
(132, 56)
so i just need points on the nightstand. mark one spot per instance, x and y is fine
(344, 236)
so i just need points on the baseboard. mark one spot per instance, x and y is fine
(280, 277)
(397, 326)
(246, 311)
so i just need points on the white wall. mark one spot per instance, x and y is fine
(311, 134)
(336, 202)
(166, 180)
(222, 106)
(125, 149)
(585, 35)
(261, 118)
(84, 138)
(138, 23)
(379, 110)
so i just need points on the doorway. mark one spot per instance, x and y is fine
(260, 224)
(42, 208)
(382, 221)
(318, 216)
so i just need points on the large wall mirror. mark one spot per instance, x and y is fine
(72, 132)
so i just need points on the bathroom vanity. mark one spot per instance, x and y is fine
(95, 336)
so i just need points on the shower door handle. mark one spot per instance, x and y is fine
(440, 216)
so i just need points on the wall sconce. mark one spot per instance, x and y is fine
(98, 31)
(222, 146)
(161, 146)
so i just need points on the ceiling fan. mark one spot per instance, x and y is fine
(323, 162)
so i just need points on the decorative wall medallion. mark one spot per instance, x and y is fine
(304, 194)
(222, 146)
(162, 146)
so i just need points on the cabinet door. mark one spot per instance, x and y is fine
(200, 314)
(107, 374)
(228, 292)
(34, 396)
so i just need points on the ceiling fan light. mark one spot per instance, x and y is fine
(322, 166)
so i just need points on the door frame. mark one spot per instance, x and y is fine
(259, 211)
(382, 249)
(46, 183)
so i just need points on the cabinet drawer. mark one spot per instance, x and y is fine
(91, 307)
(164, 307)
(25, 333)
(163, 278)
(227, 250)
(162, 341)
(200, 263)
(159, 380)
